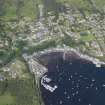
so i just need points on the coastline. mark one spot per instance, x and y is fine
(66, 50)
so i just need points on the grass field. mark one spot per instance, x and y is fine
(13, 9)
(87, 38)
(21, 89)
(7, 99)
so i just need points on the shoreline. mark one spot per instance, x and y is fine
(66, 50)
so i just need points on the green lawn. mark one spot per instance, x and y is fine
(14, 9)
(20, 92)
(87, 38)
(29, 8)
(7, 99)
(21, 89)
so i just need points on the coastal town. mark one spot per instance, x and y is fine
(70, 25)
(23, 42)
